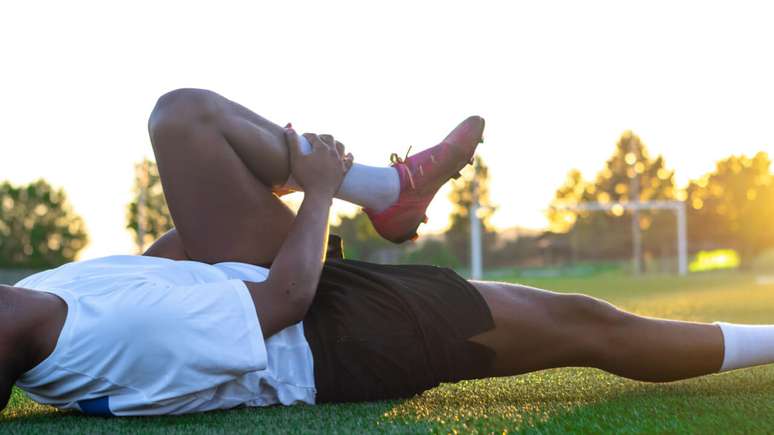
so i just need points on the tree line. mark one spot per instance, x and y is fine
(38, 226)
(731, 206)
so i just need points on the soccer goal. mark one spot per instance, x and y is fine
(678, 207)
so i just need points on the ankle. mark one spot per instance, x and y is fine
(388, 192)
(371, 187)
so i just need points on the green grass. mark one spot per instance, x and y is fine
(555, 401)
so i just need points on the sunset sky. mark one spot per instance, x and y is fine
(557, 82)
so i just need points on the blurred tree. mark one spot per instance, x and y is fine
(571, 193)
(147, 216)
(461, 197)
(38, 227)
(606, 235)
(524, 250)
(734, 206)
(432, 251)
(361, 241)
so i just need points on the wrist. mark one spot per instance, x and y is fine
(319, 196)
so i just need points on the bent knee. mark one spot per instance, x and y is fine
(182, 109)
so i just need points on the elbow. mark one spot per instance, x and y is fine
(298, 313)
(292, 292)
(299, 306)
(298, 299)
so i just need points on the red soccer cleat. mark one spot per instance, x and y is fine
(421, 175)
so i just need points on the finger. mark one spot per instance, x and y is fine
(340, 148)
(315, 141)
(348, 161)
(291, 138)
(331, 143)
(328, 139)
(288, 125)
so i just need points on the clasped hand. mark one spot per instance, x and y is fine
(322, 170)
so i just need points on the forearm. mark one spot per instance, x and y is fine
(284, 298)
(296, 268)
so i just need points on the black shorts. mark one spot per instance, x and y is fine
(384, 332)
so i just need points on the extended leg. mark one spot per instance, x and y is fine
(537, 330)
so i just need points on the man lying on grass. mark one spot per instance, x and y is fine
(197, 324)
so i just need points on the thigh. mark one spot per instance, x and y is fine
(169, 245)
(222, 212)
(530, 333)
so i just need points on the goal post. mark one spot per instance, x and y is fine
(678, 207)
(476, 256)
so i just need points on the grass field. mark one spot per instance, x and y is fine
(555, 401)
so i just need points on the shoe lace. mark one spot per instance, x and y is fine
(395, 159)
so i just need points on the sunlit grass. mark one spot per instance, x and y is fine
(583, 400)
(555, 401)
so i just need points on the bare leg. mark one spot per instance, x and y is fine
(220, 164)
(217, 163)
(538, 329)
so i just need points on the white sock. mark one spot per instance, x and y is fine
(746, 345)
(372, 187)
